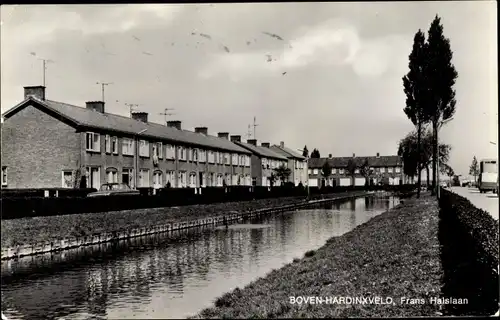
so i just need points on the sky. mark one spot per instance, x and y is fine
(332, 80)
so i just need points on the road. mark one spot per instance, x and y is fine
(486, 201)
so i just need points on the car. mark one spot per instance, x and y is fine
(114, 189)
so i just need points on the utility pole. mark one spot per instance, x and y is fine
(44, 67)
(166, 114)
(131, 107)
(254, 126)
(102, 87)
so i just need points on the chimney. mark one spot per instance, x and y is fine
(202, 130)
(378, 155)
(140, 116)
(236, 138)
(174, 124)
(265, 144)
(354, 155)
(282, 144)
(223, 135)
(252, 142)
(34, 91)
(330, 156)
(95, 105)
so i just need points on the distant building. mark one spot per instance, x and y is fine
(296, 162)
(47, 143)
(386, 170)
(264, 160)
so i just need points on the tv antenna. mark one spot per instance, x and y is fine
(103, 84)
(131, 107)
(166, 113)
(44, 67)
(254, 127)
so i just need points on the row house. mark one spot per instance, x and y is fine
(296, 162)
(52, 144)
(386, 170)
(264, 160)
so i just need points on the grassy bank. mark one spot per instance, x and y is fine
(393, 255)
(40, 229)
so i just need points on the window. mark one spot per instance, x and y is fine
(182, 179)
(182, 153)
(67, 179)
(398, 169)
(216, 157)
(219, 180)
(93, 142)
(211, 157)
(157, 179)
(382, 169)
(248, 180)
(341, 171)
(389, 169)
(227, 179)
(111, 176)
(309, 171)
(170, 178)
(334, 170)
(143, 148)
(195, 155)
(128, 177)
(127, 147)
(107, 143)
(159, 150)
(4, 176)
(202, 156)
(213, 179)
(247, 161)
(93, 177)
(189, 154)
(356, 170)
(192, 180)
(114, 145)
(226, 158)
(235, 179)
(315, 171)
(235, 159)
(144, 178)
(170, 151)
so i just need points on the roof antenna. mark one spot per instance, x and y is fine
(166, 114)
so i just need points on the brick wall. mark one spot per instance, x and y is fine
(36, 147)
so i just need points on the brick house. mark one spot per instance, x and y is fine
(51, 144)
(296, 162)
(264, 160)
(386, 170)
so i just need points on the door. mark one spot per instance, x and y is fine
(93, 177)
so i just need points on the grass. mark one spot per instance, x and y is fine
(41, 229)
(395, 254)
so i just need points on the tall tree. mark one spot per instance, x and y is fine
(315, 154)
(474, 168)
(305, 152)
(415, 89)
(366, 171)
(326, 170)
(351, 170)
(447, 170)
(441, 76)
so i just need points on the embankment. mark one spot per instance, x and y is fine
(29, 236)
(395, 254)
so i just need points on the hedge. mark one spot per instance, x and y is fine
(19, 207)
(469, 253)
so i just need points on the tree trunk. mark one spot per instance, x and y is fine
(419, 138)
(434, 155)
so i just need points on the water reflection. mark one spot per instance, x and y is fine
(160, 277)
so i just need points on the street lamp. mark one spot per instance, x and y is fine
(438, 189)
(137, 156)
(307, 173)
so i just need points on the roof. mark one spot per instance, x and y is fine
(262, 151)
(287, 152)
(339, 162)
(107, 121)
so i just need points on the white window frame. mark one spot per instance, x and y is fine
(398, 169)
(141, 178)
(114, 175)
(382, 169)
(315, 171)
(144, 148)
(157, 173)
(170, 152)
(159, 150)
(211, 157)
(114, 145)
(4, 176)
(195, 155)
(128, 144)
(62, 178)
(356, 171)
(189, 154)
(95, 145)
(341, 171)
(107, 143)
(192, 179)
(334, 170)
(389, 169)
(309, 171)
(202, 156)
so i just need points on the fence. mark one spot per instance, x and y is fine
(469, 240)
(19, 207)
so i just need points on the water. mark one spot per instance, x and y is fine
(160, 277)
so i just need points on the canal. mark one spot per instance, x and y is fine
(172, 276)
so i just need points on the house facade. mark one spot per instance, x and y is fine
(47, 143)
(296, 162)
(386, 170)
(264, 160)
